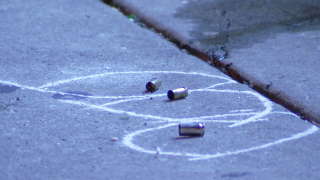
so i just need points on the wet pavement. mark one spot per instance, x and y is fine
(74, 104)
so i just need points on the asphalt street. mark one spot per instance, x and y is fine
(74, 104)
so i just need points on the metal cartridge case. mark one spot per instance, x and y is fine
(154, 84)
(177, 93)
(191, 129)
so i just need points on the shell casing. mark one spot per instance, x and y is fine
(191, 129)
(177, 93)
(153, 84)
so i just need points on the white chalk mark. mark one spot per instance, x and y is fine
(206, 120)
(251, 119)
(311, 130)
(128, 141)
(267, 104)
(219, 84)
(162, 119)
(267, 111)
(130, 72)
(158, 118)
(158, 150)
(26, 87)
(223, 115)
(242, 110)
(281, 112)
(65, 93)
(133, 99)
(10, 83)
(257, 116)
(43, 87)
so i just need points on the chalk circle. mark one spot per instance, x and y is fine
(129, 139)
(127, 99)
(189, 110)
(126, 84)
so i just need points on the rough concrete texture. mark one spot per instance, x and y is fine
(271, 45)
(73, 105)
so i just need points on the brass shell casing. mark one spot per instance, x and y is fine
(153, 85)
(191, 129)
(177, 93)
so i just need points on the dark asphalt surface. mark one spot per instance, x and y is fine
(73, 105)
(271, 45)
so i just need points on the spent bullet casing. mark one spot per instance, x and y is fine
(154, 84)
(191, 129)
(177, 93)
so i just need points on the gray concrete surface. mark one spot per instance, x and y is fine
(271, 45)
(73, 105)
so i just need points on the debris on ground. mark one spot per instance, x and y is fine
(124, 117)
(158, 150)
(114, 139)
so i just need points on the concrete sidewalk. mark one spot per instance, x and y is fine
(272, 46)
(73, 105)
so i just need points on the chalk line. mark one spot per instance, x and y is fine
(158, 118)
(65, 93)
(242, 110)
(127, 140)
(311, 130)
(134, 98)
(267, 104)
(256, 116)
(56, 83)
